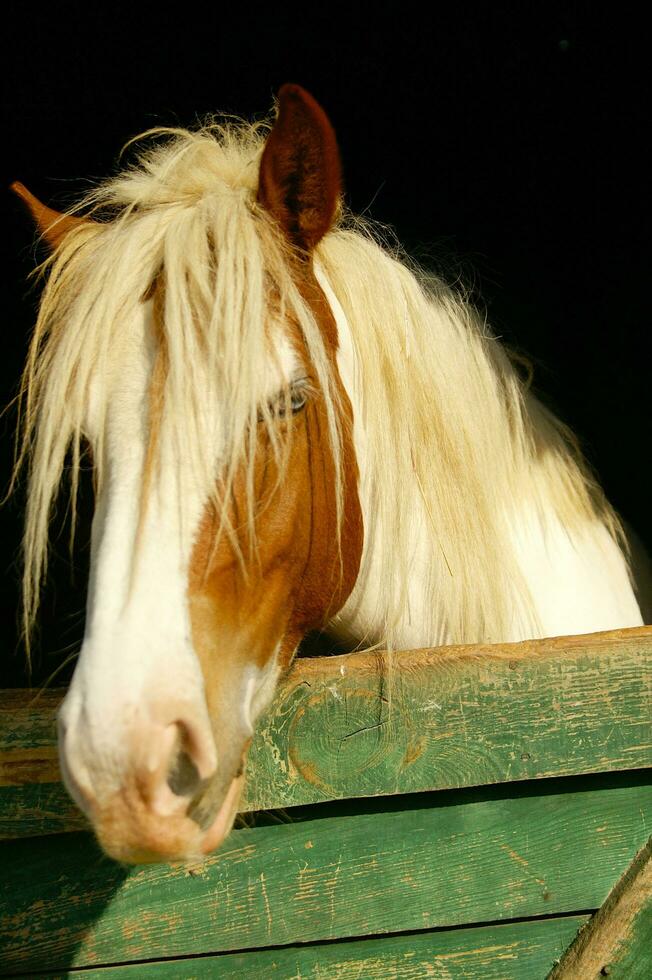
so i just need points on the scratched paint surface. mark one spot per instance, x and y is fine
(457, 716)
(515, 951)
(449, 859)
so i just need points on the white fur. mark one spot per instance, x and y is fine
(137, 670)
(578, 578)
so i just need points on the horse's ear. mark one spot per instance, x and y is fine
(52, 225)
(300, 181)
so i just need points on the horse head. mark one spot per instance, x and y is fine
(220, 540)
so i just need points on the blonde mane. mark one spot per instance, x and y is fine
(446, 412)
(443, 409)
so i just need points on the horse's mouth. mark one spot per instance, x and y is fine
(133, 834)
(223, 821)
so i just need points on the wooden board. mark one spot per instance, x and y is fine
(344, 727)
(617, 942)
(463, 858)
(31, 801)
(514, 951)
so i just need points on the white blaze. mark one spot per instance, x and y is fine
(137, 657)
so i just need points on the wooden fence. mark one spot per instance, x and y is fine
(461, 813)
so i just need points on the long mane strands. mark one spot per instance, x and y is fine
(453, 439)
(186, 213)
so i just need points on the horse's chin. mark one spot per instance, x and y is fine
(131, 836)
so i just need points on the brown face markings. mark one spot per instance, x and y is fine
(331, 570)
(301, 576)
(304, 570)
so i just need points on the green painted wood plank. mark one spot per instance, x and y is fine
(38, 808)
(459, 716)
(31, 801)
(451, 859)
(514, 951)
(617, 942)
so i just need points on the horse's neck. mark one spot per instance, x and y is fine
(578, 580)
(577, 583)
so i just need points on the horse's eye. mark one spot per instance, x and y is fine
(298, 397)
(297, 401)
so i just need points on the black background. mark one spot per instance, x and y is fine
(504, 142)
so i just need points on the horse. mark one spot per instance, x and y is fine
(293, 428)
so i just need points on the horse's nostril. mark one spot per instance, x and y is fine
(174, 772)
(184, 778)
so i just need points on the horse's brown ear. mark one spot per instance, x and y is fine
(52, 225)
(300, 179)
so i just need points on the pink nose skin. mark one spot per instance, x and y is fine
(147, 817)
(173, 765)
